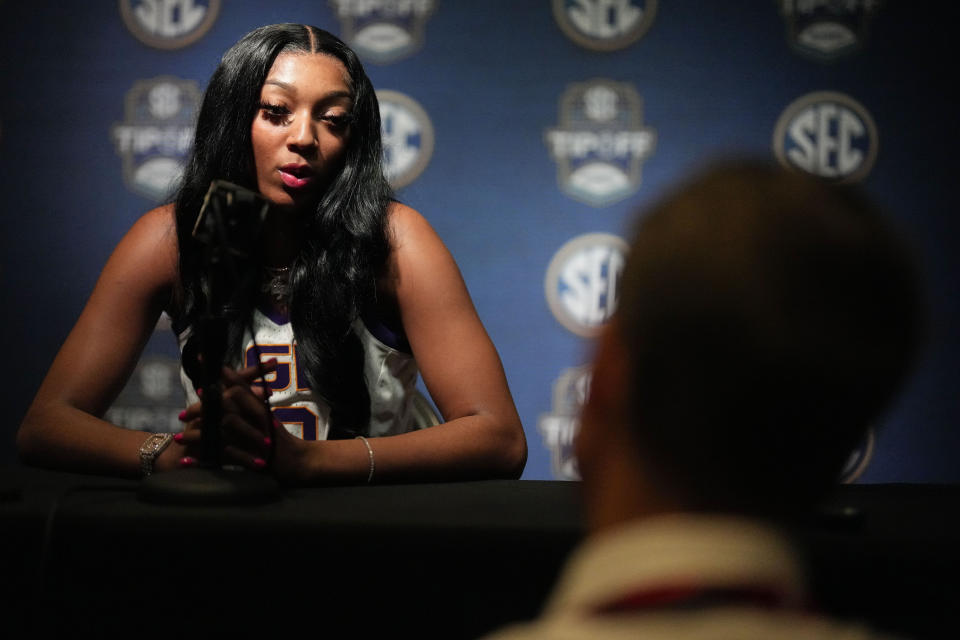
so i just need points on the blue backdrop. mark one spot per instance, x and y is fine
(529, 133)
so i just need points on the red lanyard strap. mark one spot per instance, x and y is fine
(686, 597)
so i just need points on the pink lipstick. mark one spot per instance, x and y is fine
(296, 176)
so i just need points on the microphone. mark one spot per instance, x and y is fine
(227, 228)
(230, 219)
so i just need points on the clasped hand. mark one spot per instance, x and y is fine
(250, 435)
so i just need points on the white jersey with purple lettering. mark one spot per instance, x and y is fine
(390, 372)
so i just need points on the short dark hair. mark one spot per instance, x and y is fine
(769, 318)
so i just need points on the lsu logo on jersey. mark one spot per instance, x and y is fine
(827, 134)
(583, 282)
(407, 137)
(860, 458)
(600, 142)
(559, 428)
(604, 25)
(169, 24)
(156, 134)
(827, 29)
(383, 31)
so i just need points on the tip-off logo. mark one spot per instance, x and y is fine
(829, 135)
(152, 397)
(604, 25)
(559, 428)
(383, 31)
(169, 24)
(583, 282)
(600, 142)
(407, 137)
(156, 134)
(827, 29)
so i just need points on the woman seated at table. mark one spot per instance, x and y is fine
(359, 288)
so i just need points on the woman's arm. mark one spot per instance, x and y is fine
(482, 436)
(62, 427)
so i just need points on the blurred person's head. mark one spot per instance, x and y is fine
(765, 320)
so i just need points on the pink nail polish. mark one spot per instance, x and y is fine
(276, 423)
(267, 441)
(188, 461)
(182, 415)
(178, 438)
(260, 463)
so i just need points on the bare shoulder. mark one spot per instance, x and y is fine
(419, 261)
(414, 243)
(156, 232)
(407, 225)
(162, 215)
(157, 225)
(148, 251)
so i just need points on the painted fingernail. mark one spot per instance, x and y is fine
(182, 415)
(260, 463)
(178, 437)
(276, 423)
(188, 461)
(199, 393)
(267, 441)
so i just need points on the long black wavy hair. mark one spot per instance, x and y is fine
(333, 279)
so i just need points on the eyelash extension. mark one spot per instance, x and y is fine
(281, 113)
(274, 112)
(274, 108)
(339, 120)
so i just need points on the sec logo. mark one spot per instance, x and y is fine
(407, 137)
(169, 24)
(604, 25)
(827, 134)
(583, 282)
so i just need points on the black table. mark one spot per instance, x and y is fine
(453, 559)
(447, 560)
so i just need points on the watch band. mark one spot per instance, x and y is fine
(152, 447)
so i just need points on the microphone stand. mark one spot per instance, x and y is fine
(227, 226)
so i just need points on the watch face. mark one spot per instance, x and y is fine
(149, 450)
(150, 446)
